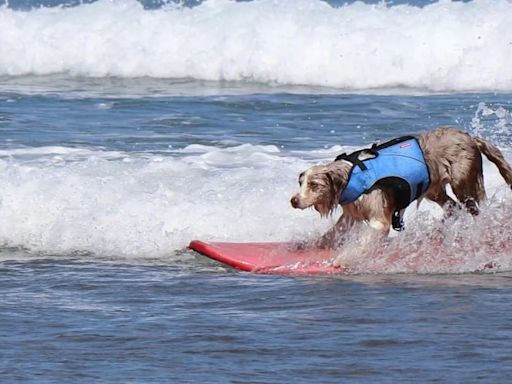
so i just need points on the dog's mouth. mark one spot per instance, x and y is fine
(321, 209)
(298, 203)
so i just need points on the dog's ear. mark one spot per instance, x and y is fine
(337, 173)
(336, 180)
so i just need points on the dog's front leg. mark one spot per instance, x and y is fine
(367, 242)
(332, 238)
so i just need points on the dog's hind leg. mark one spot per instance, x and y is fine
(440, 197)
(468, 182)
(470, 193)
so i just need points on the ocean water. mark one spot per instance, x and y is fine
(127, 129)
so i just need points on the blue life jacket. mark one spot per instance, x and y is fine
(397, 164)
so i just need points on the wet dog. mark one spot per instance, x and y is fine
(451, 157)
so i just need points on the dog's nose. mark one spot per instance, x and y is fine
(295, 201)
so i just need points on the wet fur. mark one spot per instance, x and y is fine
(453, 158)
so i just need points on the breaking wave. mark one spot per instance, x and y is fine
(445, 46)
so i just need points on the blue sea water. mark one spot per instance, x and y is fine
(128, 129)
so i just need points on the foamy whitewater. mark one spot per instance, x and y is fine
(444, 46)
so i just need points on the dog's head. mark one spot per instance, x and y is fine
(321, 185)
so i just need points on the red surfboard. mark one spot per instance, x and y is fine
(270, 258)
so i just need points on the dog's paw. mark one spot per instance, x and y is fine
(310, 244)
(300, 245)
(324, 242)
(337, 262)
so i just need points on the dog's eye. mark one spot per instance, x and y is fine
(313, 185)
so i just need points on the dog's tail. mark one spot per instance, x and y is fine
(494, 154)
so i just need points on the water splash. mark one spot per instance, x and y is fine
(459, 244)
(494, 122)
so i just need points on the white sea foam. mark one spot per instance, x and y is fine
(146, 205)
(442, 47)
(149, 206)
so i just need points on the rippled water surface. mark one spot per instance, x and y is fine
(68, 320)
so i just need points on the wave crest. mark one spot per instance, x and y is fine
(444, 46)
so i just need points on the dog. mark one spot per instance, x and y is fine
(445, 156)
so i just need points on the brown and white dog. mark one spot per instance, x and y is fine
(452, 157)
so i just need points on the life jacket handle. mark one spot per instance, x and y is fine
(373, 150)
